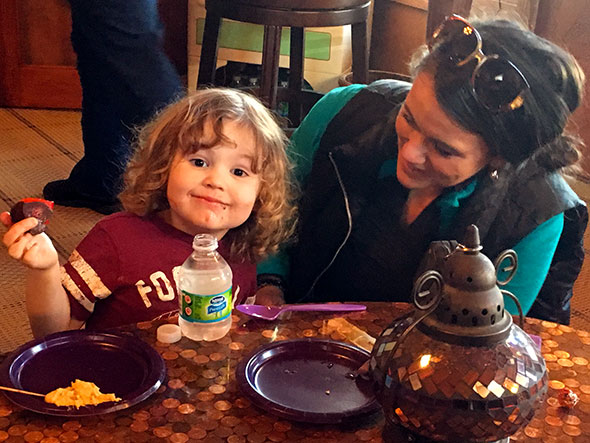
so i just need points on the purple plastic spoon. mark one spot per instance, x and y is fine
(272, 312)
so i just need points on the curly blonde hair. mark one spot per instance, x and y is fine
(179, 127)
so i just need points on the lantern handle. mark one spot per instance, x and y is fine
(517, 303)
(511, 268)
(426, 297)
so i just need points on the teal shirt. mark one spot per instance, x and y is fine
(535, 251)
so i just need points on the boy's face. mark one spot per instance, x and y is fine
(214, 190)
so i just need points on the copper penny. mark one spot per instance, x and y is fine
(222, 405)
(230, 421)
(197, 433)
(533, 432)
(102, 436)
(71, 426)
(201, 359)
(169, 355)
(585, 389)
(86, 432)
(204, 406)
(214, 414)
(5, 411)
(33, 436)
(551, 343)
(188, 353)
(52, 431)
(550, 357)
(186, 408)
(242, 403)
(236, 439)
(552, 420)
(175, 383)
(45, 440)
(68, 436)
(562, 354)
(565, 328)
(585, 340)
(209, 424)
(580, 361)
(565, 363)
(572, 431)
(205, 396)
(217, 389)
(17, 430)
(178, 437)
(236, 346)
(582, 333)
(217, 356)
(571, 420)
(571, 383)
(553, 402)
(139, 426)
(268, 333)
(141, 415)
(282, 426)
(277, 436)
(223, 431)
(256, 438)
(556, 384)
(162, 432)
(242, 428)
(209, 374)
(171, 403)
(555, 332)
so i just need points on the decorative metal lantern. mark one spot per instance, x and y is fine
(457, 369)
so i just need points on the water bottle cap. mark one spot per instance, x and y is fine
(205, 242)
(168, 333)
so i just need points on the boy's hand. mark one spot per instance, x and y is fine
(34, 251)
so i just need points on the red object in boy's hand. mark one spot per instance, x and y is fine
(567, 398)
(33, 207)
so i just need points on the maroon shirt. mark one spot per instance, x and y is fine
(124, 271)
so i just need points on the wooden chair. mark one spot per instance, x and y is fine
(274, 15)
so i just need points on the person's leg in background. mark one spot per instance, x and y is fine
(125, 78)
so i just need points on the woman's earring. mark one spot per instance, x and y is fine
(494, 174)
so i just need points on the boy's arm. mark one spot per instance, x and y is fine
(48, 307)
(47, 304)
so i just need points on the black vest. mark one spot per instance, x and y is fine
(356, 143)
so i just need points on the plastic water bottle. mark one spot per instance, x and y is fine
(205, 292)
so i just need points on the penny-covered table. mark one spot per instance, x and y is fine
(201, 401)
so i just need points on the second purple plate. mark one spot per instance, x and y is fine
(308, 380)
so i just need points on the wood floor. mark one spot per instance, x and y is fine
(38, 146)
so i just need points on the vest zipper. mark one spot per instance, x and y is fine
(348, 231)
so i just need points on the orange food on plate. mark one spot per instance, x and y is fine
(80, 393)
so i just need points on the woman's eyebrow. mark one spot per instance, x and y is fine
(436, 141)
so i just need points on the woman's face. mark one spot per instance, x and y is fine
(434, 151)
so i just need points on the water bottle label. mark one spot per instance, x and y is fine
(205, 308)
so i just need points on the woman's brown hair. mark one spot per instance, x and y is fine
(178, 128)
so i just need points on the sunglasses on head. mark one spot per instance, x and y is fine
(496, 83)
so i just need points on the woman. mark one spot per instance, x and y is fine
(477, 138)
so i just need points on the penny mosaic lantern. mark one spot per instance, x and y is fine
(457, 368)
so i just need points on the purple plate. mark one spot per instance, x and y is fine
(119, 364)
(308, 380)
